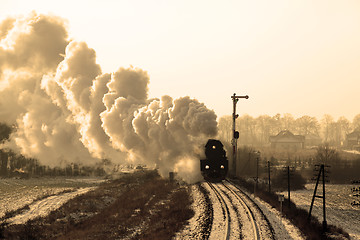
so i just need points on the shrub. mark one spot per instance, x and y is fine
(280, 181)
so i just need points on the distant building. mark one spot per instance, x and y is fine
(353, 140)
(312, 140)
(286, 140)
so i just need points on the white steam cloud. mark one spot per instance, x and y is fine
(67, 110)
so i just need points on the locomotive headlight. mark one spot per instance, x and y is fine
(207, 167)
(222, 167)
(213, 147)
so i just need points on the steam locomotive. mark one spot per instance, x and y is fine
(215, 167)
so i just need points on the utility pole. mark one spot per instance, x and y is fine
(269, 176)
(257, 172)
(321, 171)
(288, 177)
(235, 133)
(257, 168)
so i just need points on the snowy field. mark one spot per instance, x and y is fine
(16, 193)
(339, 211)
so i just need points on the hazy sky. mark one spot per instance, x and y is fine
(298, 57)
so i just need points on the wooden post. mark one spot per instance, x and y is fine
(269, 176)
(323, 196)
(288, 173)
(171, 176)
(322, 170)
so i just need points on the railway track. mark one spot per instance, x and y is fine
(225, 211)
(236, 216)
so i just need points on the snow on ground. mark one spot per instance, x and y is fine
(339, 211)
(283, 228)
(244, 226)
(194, 229)
(17, 193)
(352, 151)
(260, 227)
(46, 205)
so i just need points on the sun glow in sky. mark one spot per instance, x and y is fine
(298, 57)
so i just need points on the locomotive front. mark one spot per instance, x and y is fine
(215, 166)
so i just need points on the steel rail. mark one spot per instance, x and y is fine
(225, 208)
(271, 229)
(248, 209)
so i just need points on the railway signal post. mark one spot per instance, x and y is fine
(235, 99)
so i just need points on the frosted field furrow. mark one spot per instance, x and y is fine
(46, 205)
(339, 211)
(17, 193)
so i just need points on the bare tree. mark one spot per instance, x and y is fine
(327, 124)
(326, 155)
(356, 122)
(307, 125)
(288, 122)
(265, 128)
(342, 129)
(277, 123)
(256, 131)
(225, 128)
(246, 127)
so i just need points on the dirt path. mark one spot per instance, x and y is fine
(45, 206)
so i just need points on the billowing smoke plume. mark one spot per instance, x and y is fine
(67, 110)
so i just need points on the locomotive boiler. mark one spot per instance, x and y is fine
(215, 166)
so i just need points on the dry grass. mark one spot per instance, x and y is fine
(136, 206)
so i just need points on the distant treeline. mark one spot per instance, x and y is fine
(254, 136)
(16, 165)
(343, 167)
(256, 131)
